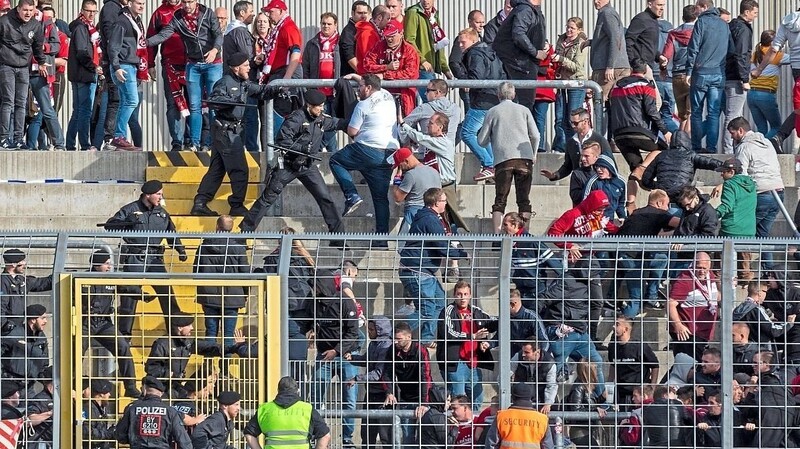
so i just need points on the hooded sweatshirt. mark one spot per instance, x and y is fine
(420, 116)
(580, 221)
(789, 33)
(374, 359)
(737, 210)
(676, 46)
(759, 161)
(614, 187)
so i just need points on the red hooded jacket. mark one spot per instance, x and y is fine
(581, 221)
(172, 49)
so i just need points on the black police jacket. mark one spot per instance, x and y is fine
(230, 95)
(222, 255)
(96, 428)
(213, 432)
(97, 304)
(25, 353)
(13, 295)
(41, 403)
(303, 133)
(150, 423)
(137, 216)
(170, 355)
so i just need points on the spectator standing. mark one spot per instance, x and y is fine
(514, 139)
(589, 154)
(520, 424)
(371, 129)
(476, 21)
(173, 71)
(359, 12)
(663, 419)
(135, 426)
(435, 428)
(493, 25)
(478, 62)
(569, 63)
(424, 30)
(394, 58)
(737, 210)
(221, 304)
(581, 122)
(462, 415)
(662, 73)
(633, 363)
(762, 98)
(529, 261)
(526, 324)
(369, 33)
(782, 300)
(761, 328)
(737, 66)
(17, 288)
(676, 51)
(641, 41)
(693, 305)
(581, 398)
(608, 58)
(321, 60)
(198, 28)
(607, 179)
(238, 39)
(109, 14)
(437, 101)
(396, 9)
(128, 60)
(410, 182)
(520, 45)
(705, 73)
(222, 16)
(22, 45)
(537, 367)
(41, 83)
(82, 72)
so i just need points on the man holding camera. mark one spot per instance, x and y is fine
(302, 135)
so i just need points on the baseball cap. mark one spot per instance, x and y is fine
(275, 4)
(730, 164)
(399, 156)
(392, 28)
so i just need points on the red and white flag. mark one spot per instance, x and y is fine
(9, 432)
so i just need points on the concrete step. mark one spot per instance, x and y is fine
(83, 165)
(187, 191)
(184, 207)
(70, 200)
(190, 174)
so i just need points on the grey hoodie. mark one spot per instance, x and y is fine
(422, 113)
(759, 161)
(789, 33)
(377, 354)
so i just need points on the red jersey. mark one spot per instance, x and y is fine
(697, 302)
(172, 50)
(289, 41)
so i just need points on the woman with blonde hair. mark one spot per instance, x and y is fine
(569, 63)
(581, 398)
(762, 98)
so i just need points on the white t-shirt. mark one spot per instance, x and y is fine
(375, 118)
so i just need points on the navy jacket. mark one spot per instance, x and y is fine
(425, 255)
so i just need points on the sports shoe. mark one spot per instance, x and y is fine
(405, 310)
(351, 205)
(121, 143)
(176, 147)
(190, 148)
(453, 274)
(485, 174)
(777, 142)
(200, 209)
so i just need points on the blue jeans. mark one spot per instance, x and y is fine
(566, 101)
(667, 104)
(371, 163)
(41, 92)
(133, 123)
(252, 128)
(329, 137)
(35, 139)
(635, 276)
(174, 119)
(322, 377)
(408, 216)
(540, 119)
(706, 92)
(764, 108)
(128, 99)
(428, 294)
(213, 316)
(467, 381)
(473, 121)
(82, 102)
(766, 211)
(578, 346)
(421, 91)
(200, 79)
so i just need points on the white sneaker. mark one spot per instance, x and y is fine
(405, 310)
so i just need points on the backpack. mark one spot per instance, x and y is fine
(630, 431)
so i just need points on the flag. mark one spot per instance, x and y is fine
(9, 432)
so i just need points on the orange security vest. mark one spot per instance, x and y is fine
(521, 428)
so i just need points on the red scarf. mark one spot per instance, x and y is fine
(270, 44)
(176, 80)
(327, 65)
(436, 30)
(94, 38)
(261, 48)
(192, 20)
(141, 45)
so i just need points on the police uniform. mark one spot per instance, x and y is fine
(150, 423)
(213, 433)
(97, 433)
(227, 151)
(303, 133)
(520, 426)
(98, 307)
(144, 254)
(41, 403)
(14, 289)
(25, 352)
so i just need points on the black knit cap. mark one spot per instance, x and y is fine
(237, 59)
(99, 257)
(315, 97)
(229, 397)
(13, 256)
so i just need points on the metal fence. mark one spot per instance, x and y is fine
(410, 349)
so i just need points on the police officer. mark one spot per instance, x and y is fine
(302, 131)
(151, 423)
(213, 433)
(145, 254)
(14, 287)
(520, 426)
(25, 352)
(9, 405)
(287, 422)
(97, 433)
(229, 98)
(40, 413)
(97, 304)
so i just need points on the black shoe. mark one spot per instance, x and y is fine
(240, 211)
(176, 147)
(202, 210)
(600, 346)
(777, 142)
(132, 392)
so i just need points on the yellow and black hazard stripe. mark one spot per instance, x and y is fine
(189, 159)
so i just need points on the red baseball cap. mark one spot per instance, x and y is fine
(392, 28)
(5, 4)
(399, 156)
(275, 4)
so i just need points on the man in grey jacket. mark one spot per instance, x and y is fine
(609, 57)
(510, 129)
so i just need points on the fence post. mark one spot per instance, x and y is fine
(728, 295)
(397, 433)
(504, 329)
(558, 438)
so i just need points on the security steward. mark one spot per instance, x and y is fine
(97, 304)
(228, 98)
(520, 426)
(25, 352)
(150, 422)
(287, 422)
(145, 254)
(213, 433)
(302, 131)
(14, 288)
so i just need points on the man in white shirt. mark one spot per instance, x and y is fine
(371, 128)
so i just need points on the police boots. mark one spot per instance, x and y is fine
(202, 210)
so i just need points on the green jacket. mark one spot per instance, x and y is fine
(417, 31)
(737, 211)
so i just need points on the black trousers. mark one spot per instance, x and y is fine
(525, 97)
(227, 156)
(311, 179)
(106, 335)
(135, 263)
(373, 428)
(113, 105)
